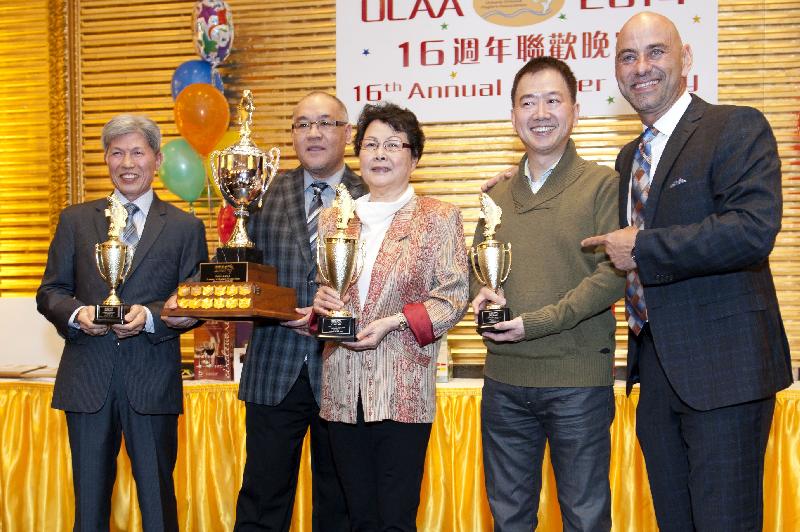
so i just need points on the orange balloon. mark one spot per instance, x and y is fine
(202, 116)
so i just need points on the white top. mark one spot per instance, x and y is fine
(376, 217)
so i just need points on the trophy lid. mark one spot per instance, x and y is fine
(491, 213)
(346, 206)
(117, 216)
(245, 144)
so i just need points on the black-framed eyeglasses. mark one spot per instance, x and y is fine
(388, 145)
(324, 125)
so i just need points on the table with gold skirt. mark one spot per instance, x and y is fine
(36, 476)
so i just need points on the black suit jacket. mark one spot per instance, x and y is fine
(276, 354)
(172, 245)
(711, 219)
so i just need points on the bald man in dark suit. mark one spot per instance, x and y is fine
(122, 379)
(700, 207)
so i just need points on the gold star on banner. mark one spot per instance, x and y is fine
(453, 74)
(696, 19)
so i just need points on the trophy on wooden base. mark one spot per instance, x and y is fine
(114, 259)
(237, 285)
(339, 262)
(491, 262)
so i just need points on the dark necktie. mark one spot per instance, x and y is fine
(635, 308)
(129, 235)
(313, 213)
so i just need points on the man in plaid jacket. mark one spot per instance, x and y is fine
(281, 376)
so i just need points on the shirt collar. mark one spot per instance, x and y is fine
(143, 202)
(544, 175)
(332, 181)
(667, 123)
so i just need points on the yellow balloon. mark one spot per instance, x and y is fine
(229, 138)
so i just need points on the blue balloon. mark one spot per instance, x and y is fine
(196, 71)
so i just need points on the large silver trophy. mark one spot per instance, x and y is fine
(113, 258)
(243, 173)
(491, 262)
(238, 285)
(339, 260)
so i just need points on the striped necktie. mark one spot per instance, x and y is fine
(313, 212)
(130, 236)
(635, 308)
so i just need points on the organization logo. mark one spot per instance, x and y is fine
(517, 12)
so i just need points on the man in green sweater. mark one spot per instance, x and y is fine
(548, 373)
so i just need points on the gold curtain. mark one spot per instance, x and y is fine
(36, 477)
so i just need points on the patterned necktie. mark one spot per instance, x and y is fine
(313, 213)
(635, 308)
(130, 236)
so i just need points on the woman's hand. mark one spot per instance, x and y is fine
(372, 334)
(327, 300)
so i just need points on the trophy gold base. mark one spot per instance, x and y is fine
(489, 317)
(110, 314)
(337, 328)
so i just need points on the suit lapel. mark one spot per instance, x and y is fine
(296, 213)
(100, 221)
(683, 131)
(625, 169)
(156, 219)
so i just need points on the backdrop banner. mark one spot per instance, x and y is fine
(455, 60)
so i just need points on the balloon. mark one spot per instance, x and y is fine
(225, 222)
(213, 30)
(192, 72)
(202, 116)
(229, 138)
(182, 170)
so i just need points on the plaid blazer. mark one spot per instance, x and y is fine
(710, 223)
(276, 354)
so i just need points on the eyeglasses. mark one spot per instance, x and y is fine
(324, 125)
(389, 145)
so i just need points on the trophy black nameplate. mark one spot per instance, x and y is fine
(489, 317)
(110, 314)
(337, 328)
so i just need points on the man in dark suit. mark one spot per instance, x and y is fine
(700, 203)
(281, 376)
(122, 379)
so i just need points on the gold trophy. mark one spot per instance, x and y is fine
(243, 173)
(237, 285)
(492, 266)
(339, 266)
(114, 259)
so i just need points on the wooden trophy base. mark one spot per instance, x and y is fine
(235, 290)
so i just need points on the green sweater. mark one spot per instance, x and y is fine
(563, 293)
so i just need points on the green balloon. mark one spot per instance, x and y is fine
(182, 170)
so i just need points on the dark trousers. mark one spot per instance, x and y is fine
(516, 422)
(706, 468)
(274, 445)
(152, 445)
(381, 465)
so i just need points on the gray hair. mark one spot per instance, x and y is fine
(123, 124)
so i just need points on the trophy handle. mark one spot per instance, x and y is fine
(270, 162)
(360, 260)
(475, 268)
(507, 254)
(98, 259)
(129, 251)
(322, 264)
